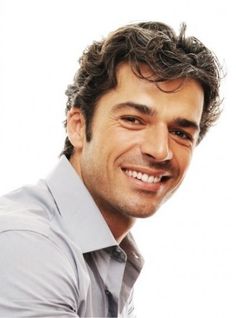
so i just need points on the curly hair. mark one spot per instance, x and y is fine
(156, 45)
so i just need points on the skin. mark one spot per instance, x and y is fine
(136, 127)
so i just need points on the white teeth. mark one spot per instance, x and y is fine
(150, 179)
(143, 176)
(139, 176)
(134, 174)
(157, 179)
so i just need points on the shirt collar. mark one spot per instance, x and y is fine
(79, 214)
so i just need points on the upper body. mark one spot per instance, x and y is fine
(58, 256)
(141, 101)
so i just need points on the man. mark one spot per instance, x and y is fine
(141, 101)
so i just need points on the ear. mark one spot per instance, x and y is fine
(76, 127)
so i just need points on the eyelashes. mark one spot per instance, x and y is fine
(133, 120)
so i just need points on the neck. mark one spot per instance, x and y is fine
(119, 224)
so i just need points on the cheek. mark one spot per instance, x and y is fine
(96, 157)
(184, 159)
(182, 156)
(127, 140)
(119, 143)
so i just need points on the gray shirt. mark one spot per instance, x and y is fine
(58, 257)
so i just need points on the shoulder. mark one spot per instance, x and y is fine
(35, 274)
(29, 225)
(28, 209)
(34, 199)
(19, 213)
(38, 266)
(39, 276)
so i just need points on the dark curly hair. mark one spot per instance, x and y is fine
(155, 44)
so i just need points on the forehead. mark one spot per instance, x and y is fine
(125, 74)
(182, 95)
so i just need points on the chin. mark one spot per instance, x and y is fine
(143, 212)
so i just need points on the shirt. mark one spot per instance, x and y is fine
(58, 256)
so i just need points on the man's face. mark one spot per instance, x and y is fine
(142, 143)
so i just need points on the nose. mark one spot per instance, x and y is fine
(156, 143)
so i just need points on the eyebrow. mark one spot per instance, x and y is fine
(144, 109)
(147, 110)
(186, 123)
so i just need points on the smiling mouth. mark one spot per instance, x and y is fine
(144, 177)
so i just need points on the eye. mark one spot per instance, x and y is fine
(132, 120)
(182, 135)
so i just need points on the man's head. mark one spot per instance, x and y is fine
(141, 101)
(156, 45)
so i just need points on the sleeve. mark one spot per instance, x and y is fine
(36, 278)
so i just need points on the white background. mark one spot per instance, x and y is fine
(190, 244)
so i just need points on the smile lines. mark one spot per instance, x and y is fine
(143, 176)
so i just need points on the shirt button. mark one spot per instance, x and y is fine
(118, 255)
(117, 249)
(107, 292)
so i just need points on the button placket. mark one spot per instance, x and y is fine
(112, 305)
